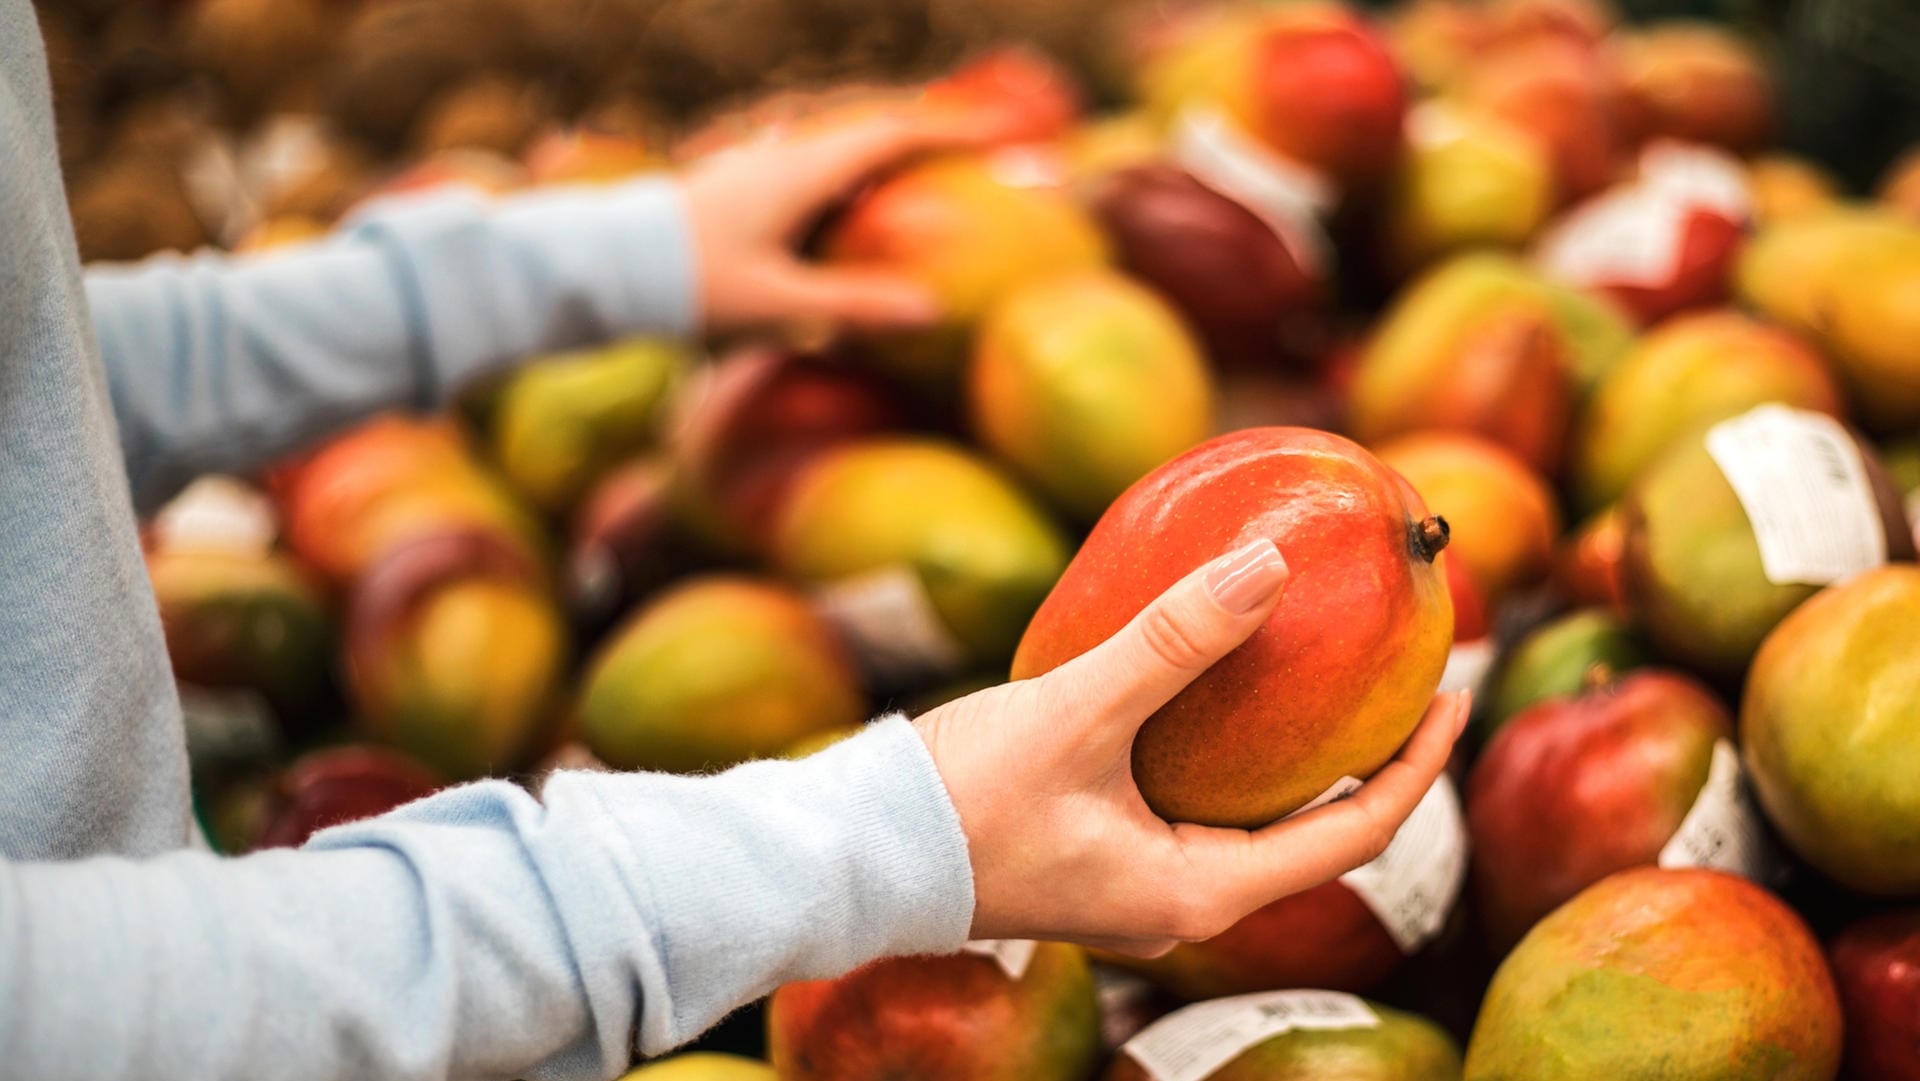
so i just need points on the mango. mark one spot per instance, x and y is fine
(1333, 683)
(1312, 81)
(456, 652)
(1376, 1043)
(1575, 788)
(1467, 181)
(970, 236)
(1785, 187)
(1587, 562)
(1693, 570)
(1826, 726)
(625, 541)
(1876, 963)
(1483, 344)
(562, 422)
(702, 1066)
(1686, 975)
(1084, 383)
(957, 1018)
(1850, 279)
(1900, 186)
(1257, 295)
(386, 483)
(1559, 659)
(1503, 515)
(249, 620)
(1683, 376)
(927, 539)
(747, 425)
(1696, 82)
(340, 784)
(1563, 94)
(718, 670)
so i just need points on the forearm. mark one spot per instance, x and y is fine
(218, 363)
(482, 933)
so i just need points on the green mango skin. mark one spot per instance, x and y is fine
(244, 620)
(1692, 570)
(1827, 726)
(702, 1066)
(715, 672)
(1558, 659)
(563, 422)
(1405, 1047)
(1674, 975)
(984, 550)
(1687, 374)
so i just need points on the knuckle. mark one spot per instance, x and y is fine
(1170, 633)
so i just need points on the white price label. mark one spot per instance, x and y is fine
(1413, 885)
(1340, 789)
(1013, 955)
(891, 623)
(1467, 665)
(1800, 478)
(1190, 1044)
(1722, 830)
(1287, 196)
(1631, 235)
(220, 513)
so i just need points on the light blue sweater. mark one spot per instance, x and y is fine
(479, 933)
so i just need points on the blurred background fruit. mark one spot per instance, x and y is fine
(1876, 964)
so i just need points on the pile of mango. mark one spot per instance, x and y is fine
(1661, 380)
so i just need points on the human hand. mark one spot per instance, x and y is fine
(1063, 845)
(750, 202)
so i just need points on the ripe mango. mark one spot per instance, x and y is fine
(716, 671)
(1503, 515)
(1685, 375)
(957, 1018)
(1084, 383)
(1685, 975)
(982, 553)
(703, 1066)
(1561, 658)
(969, 235)
(1827, 727)
(1340, 674)
(1696, 82)
(1467, 181)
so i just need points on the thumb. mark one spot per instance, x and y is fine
(870, 299)
(1200, 619)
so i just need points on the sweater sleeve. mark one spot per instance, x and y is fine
(221, 363)
(482, 933)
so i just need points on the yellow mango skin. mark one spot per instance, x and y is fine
(475, 677)
(970, 237)
(1851, 279)
(702, 1066)
(1685, 375)
(1486, 186)
(1827, 726)
(561, 423)
(1502, 514)
(1679, 975)
(1085, 383)
(986, 553)
(715, 672)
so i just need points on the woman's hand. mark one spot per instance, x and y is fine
(750, 203)
(1063, 845)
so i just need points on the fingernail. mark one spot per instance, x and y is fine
(1463, 711)
(1244, 580)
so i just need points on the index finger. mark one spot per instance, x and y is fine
(1296, 854)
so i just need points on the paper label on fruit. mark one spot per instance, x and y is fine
(1013, 955)
(1413, 885)
(1340, 789)
(1632, 234)
(1467, 666)
(1191, 1043)
(1287, 196)
(217, 512)
(1722, 830)
(888, 619)
(1805, 490)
